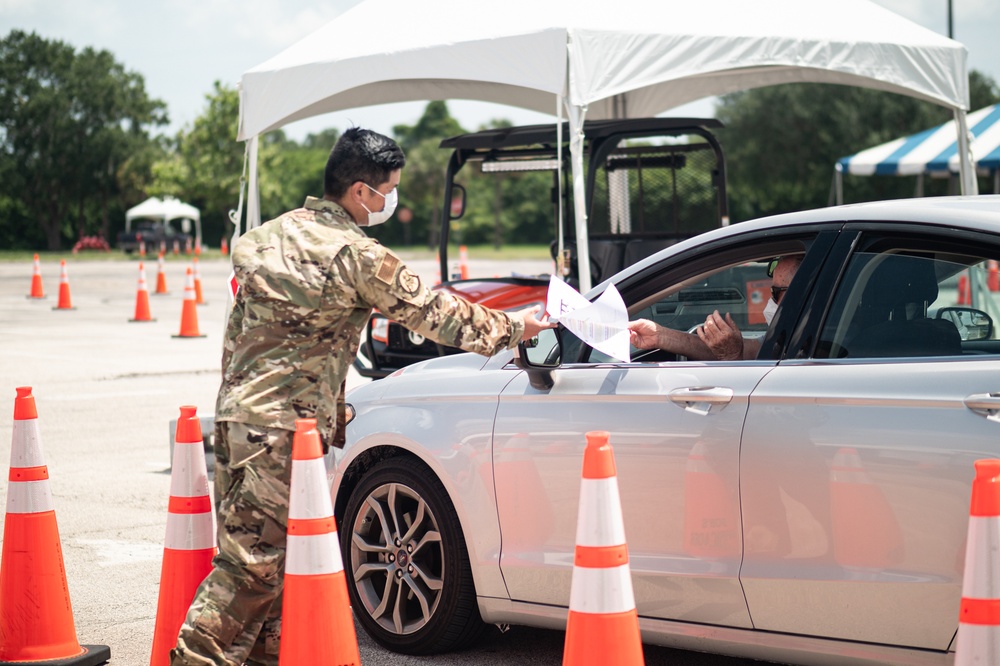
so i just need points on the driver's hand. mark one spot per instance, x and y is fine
(642, 334)
(532, 325)
(722, 336)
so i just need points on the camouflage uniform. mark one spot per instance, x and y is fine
(308, 282)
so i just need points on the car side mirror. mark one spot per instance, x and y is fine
(971, 323)
(539, 357)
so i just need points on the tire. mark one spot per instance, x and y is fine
(424, 559)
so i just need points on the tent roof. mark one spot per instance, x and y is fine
(166, 209)
(931, 151)
(639, 59)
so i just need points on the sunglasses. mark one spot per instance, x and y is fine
(777, 293)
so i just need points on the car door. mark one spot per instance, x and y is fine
(675, 427)
(858, 450)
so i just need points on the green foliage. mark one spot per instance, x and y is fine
(782, 142)
(74, 139)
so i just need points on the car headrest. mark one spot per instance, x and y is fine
(899, 280)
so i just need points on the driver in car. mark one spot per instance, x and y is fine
(719, 338)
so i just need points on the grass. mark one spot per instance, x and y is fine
(486, 252)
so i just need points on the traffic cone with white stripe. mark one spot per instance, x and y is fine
(979, 615)
(603, 625)
(142, 298)
(315, 593)
(36, 281)
(36, 616)
(198, 297)
(190, 542)
(189, 312)
(65, 301)
(161, 276)
(463, 261)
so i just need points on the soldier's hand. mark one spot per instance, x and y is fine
(532, 325)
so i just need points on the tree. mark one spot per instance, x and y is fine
(781, 142)
(72, 125)
(204, 165)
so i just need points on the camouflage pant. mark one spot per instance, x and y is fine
(235, 617)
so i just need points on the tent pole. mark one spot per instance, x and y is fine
(996, 181)
(920, 185)
(966, 169)
(253, 196)
(576, 118)
(561, 264)
(838, 184)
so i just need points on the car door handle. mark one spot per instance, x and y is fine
(701, 399)
(986, 404)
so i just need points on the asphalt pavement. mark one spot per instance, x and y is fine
(106, 390)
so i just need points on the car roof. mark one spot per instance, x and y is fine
(978, 213)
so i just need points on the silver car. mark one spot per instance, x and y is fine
(808, 506)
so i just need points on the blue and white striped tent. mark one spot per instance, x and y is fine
(933, 151)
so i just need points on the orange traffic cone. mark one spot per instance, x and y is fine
(36, 281)
(142, 249)
(964, 295)
(189, 312)
(463, 261)
(978, 619)
(177, 247)
(866, 532)
(315, 593)
(142, 298)
(187, 246)
(65, 302)
(224, 246)
(161, 276)
(603, 626)
(190, 543)
(163, 247)
(198, 298)
(993, 275)
(36, 616)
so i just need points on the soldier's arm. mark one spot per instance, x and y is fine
(384, 281)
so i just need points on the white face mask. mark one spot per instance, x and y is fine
(380, 216)
(769, 310)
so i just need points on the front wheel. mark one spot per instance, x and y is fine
(408, 572)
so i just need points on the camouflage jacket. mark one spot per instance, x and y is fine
(308, 282)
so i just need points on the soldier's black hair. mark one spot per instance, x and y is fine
(363, 155)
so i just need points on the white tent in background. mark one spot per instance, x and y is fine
(589, 60)
(932, 152)
(166, 210)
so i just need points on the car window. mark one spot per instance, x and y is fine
(908, 303)
(741, 290)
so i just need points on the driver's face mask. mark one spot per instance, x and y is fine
(380, 216)
(769, 310)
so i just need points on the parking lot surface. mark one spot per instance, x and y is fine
(106, 390)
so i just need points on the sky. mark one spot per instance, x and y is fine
(181, 47)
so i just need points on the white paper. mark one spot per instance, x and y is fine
(602, 324)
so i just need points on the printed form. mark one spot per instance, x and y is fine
(602, 324)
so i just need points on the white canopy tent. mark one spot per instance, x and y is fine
(164, 210)
(633, 59)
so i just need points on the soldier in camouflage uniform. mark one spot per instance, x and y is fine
(308, 281)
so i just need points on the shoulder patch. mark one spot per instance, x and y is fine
(387, 269)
